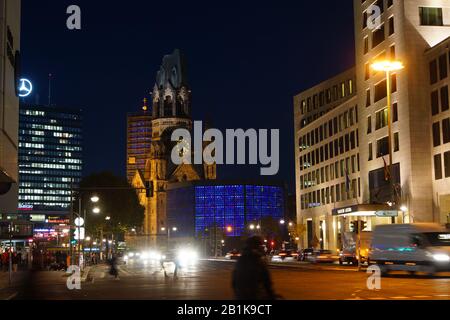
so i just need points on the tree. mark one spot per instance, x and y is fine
(118, 200)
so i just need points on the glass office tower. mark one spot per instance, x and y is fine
(50, 157)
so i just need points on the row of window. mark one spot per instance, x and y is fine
(439, 69)
(49, 160)
(54, 192)
(330, 128)
(27, 184)
(333, 194)
(438, 174)
(47, 204)
(47, 153)
(50, 166)
(29, 178)
(339, 169)
(330, 150)
(44, 198)
(49, 147)
(49, 173)
(445, 132)
(47, 127)
(323, 98)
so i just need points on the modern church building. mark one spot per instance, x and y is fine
(342, 127)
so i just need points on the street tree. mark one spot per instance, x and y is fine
(117, 200)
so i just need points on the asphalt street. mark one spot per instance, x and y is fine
(210, 280)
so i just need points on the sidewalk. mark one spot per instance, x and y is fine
(8, 292)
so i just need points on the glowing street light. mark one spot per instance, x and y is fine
(389, 66)
(252, 227)
(282, 222)
(95, 199)
(96, 210)
(108, 218)
(404, 209)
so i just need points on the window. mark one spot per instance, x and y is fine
(446, 130)
(431, 16)
(443, 66)
(433, 72)
(396, 142)
(437, 167)
(395, 112)
(378, 36)
(370, 152)
(447, 164)
(350, 86)
(369, 125)
(367, 71)
(368, 99)
(382, 147)
(392, 52)
(381, 119)
(436, 134)
(380, 91)
(366, 45)
(391, 26)
(434, 103)
(444, 99)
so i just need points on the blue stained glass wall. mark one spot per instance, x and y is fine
(232, 206)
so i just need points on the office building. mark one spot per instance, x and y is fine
(139, 138)
(50, 157)
(415, 32)
(9, 103)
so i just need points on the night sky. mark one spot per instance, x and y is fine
(246, 61)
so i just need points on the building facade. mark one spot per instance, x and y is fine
(9, 103)
(171, 110)
(414, 32)
(50, 157)
(139, 138)
(216, 211)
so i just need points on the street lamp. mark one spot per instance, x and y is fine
(282, 222)
(95, 199)
(389, 66)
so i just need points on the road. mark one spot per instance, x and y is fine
(210, 280)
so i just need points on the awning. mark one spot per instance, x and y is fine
(367, 210)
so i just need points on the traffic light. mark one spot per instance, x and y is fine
(362, 224)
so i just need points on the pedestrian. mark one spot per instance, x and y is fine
(114, 271)
(251, 278)
(5, 260)
(15, 261)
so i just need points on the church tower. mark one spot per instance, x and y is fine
(171, 110)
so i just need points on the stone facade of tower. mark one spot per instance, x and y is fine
(171, 111)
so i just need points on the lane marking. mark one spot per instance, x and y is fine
(399, 298)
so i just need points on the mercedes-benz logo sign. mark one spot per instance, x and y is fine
(25, 88)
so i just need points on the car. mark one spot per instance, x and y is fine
(417, 247)
(304, 254)
(233, 255)
(284, 255)
(323, 256)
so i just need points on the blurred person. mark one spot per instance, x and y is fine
(113, 270)
(5, 260)
(15, 261)
(251, 278)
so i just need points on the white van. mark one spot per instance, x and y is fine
(421, 247)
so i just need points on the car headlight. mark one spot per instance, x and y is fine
(441, 257)
(131, 255)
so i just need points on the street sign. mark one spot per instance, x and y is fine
(81, 232)
(386, 214)
(79, 222)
